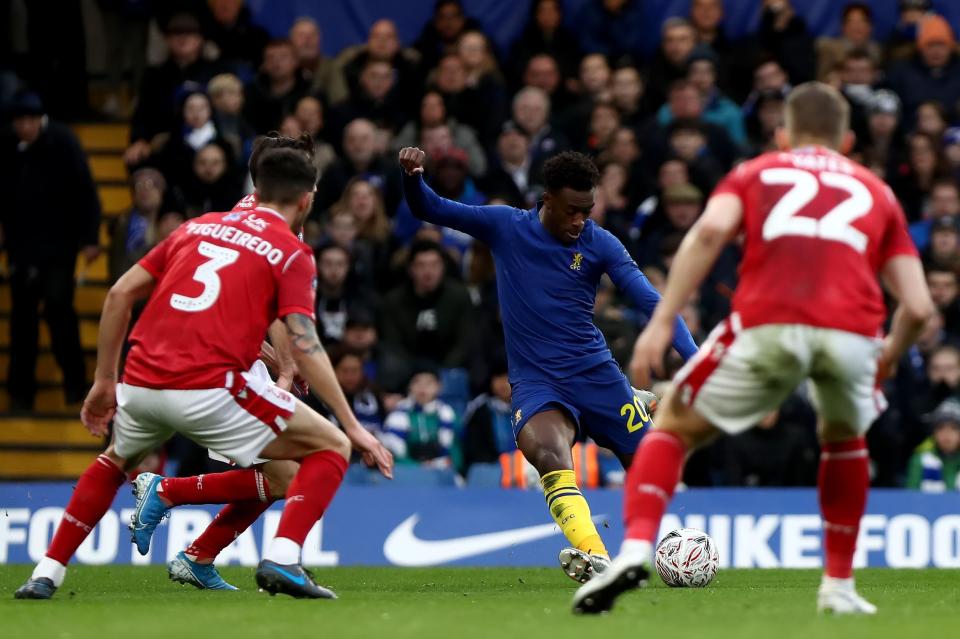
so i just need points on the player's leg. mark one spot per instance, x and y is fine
(92, 497)
(324, 453)
(194, 565)
(734, 381)
(545, 438)
(61, 318)
(24, 333)
(848, 402)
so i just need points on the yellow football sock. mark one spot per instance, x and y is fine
(571, 512)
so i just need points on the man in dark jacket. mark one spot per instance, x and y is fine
(933, 74)
(156, 99)
(51, 212)
(427, 320)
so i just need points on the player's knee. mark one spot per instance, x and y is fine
(279, 474)
(547, 460)
(340, 445)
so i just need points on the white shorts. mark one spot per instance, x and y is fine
(236, 421)
(741, 375)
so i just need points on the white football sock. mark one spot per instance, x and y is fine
(283, 551)
(835, 583)
(51, 569)
(636, 547)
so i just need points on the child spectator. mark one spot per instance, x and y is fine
(935, 466)
(421, 427)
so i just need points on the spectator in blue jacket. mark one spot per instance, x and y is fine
(610, 27)
(717, 108)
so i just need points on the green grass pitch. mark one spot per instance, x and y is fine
(462, 603)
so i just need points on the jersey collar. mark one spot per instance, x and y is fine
(267, 209)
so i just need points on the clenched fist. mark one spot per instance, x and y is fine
(412, 159)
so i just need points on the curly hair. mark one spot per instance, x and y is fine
(570, 169)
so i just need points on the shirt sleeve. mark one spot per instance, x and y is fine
(896, 240)
(298, 286)
(155, 262)
(628, 278)
(479, 221)
(734, 183)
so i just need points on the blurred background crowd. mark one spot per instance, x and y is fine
(409, 312)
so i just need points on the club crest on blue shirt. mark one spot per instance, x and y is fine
(577, 261)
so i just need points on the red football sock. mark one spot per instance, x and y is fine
(91, 499)
(310, 492)
(248, 484)
(229, 523)
(650, 483)
(842, 484)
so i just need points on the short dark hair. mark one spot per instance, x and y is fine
(285, 175)
(570, 169)
(424, 246)
(857, 6)
(274, 140)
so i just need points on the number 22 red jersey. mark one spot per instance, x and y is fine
(818, 229)
(221, 280)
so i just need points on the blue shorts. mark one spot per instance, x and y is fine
(600, 401)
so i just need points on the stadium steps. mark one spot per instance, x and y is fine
(51, 443)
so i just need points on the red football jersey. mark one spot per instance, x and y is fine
(221, 280)
(818, 228)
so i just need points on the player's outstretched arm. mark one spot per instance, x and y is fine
(478, 221)
(903, 275)
(315, 367)
(697, 253)
(100, 404)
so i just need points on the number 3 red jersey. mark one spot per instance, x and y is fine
(818, 229)
(221, 280)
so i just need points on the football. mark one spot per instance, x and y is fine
(687, 558)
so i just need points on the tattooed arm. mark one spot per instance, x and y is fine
(315, 367)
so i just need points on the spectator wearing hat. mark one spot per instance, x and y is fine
(933, 73)
(856, 33)
(324, 74)
(422, 428)
(935, 465)
(944, 204)
(156, 110)
(882, 146)
(430, 319)
(682, 204)
(50, 214)
(717, 108)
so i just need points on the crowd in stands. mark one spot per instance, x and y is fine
(409, 312)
